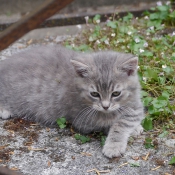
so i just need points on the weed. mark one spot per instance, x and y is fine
(61, 122)
(172, 161)
(82, 138)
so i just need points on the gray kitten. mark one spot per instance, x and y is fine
(94, 91)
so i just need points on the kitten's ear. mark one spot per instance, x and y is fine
(80, 68)
(130, 66)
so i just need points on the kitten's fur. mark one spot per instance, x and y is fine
(48, 82)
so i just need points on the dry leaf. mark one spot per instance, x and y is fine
(2, 147)
(73, 157)
(86, 154)
(135, 157)
(14, 168)
(30, 41)
(49, 163)
(48, 129)
(56, 139)
(145, 157)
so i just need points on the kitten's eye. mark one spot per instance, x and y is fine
(95, 94)
(116, 94)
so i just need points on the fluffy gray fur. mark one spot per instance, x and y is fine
(94, 91)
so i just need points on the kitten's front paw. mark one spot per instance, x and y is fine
(137, 131)
(4, 114)
(114, 149)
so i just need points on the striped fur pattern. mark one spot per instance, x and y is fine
(97, 91)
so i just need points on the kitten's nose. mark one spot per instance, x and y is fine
(105, 104)
(106, 107)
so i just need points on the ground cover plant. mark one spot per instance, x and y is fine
(150, 37)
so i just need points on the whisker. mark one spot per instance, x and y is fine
(89, 117)
(82, 117)
(80, 113)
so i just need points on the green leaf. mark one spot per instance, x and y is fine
(158, 103)
(147, 54)
(135, 164)
(172, 15)
(163, 134)
(151, 73)
(61, 122)
(82, 138)
(83, 47)
(112, 24)
(156, 23)
(165, 94)
(151, 109)
(148, 143)
(172, 161)
(168, 69)
(147, 124)
(147, 100)
(163, 8)
(161, 80)
(154, 16)
(144, 93)
(96, 17)
(128, 17)
(62, 126)
(103, 139)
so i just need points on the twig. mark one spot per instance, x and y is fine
(153, 169)
(35, 149)
(104, 171)
(169, 154)
(146, 157)
(94, 170)
(98, 171)
(86, 154)
(123, 164)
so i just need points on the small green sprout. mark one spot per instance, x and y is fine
(82, 138)
(103, 139)
(172, 161)
(134, 164)
(61, 122)
(148, 143)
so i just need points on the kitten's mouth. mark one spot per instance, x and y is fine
(106, 111)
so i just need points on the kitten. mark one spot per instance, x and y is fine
(94, 91)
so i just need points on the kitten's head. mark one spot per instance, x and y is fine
(108, 79)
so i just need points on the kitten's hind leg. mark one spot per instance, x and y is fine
(137, 131)
(4, 114)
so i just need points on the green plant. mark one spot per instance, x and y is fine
(134, 164)
(103, 139)
(164, 133)
(61, 122)
(148, 143)
(82, 138)
(172, 161)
